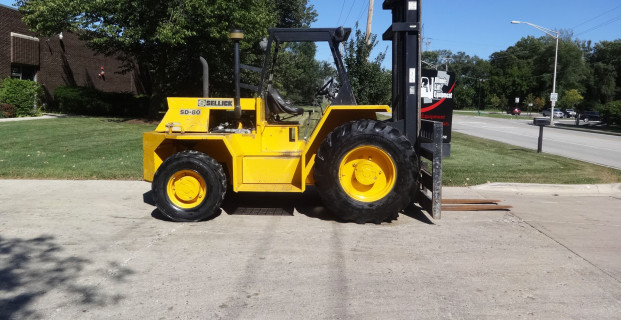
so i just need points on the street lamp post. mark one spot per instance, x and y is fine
(555, 35)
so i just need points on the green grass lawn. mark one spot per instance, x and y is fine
(476, 161)
(72, 148)
(101, 148)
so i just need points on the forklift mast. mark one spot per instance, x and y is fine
(406, 64)
(425, 135)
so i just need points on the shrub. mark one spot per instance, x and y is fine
(587, 105)
(80, 100)
(25, 95)
(611, 112)
(125, 104)
(92, 102)
(7, 110)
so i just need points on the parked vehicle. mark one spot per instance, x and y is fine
(516, 111)
(589, 116)
(557, 113)
(569, 113)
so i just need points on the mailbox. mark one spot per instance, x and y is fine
(541, 121)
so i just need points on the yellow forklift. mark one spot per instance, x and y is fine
(364, 169)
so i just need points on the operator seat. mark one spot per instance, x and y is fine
(277, 104)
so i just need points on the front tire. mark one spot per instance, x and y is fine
(365, 171)
(189, 186)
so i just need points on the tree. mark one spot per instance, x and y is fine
(605, 84)
(611, 112)
(514, 70)
(602, 85)
(294, 14)
(370, 83)
(539, 103)
(465, 97)
(529, 102)
(163, 38)
(494, 101)
(298, 74)
(571, 98)
(471, 75)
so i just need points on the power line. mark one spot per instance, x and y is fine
(617, 18)
(468, 42)
(362, 11)
(589, 20)
(347, 17)
(340, 14)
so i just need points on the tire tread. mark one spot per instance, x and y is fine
(344, 138)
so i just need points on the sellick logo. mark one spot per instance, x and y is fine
(215, 103)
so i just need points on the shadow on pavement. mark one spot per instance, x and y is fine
(264, 203)
(279, 204)
(311, 206)
(157, 214)
(148, 198)
(32, 268)
(415, 212)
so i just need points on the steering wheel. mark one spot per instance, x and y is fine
(325, 89)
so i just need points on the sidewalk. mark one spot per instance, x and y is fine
(613, 189)
(44, 116)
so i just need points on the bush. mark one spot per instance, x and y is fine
(125, 104)
(92, 102)
(588, 105)
(7, 110)
(80, 100)
(611, 112)
(25, 95)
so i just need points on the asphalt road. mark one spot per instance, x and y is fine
(595, 148)
(99, 250)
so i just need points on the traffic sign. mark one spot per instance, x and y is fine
(554, 96)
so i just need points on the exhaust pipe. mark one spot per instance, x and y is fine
(205, 77)
(237, 35)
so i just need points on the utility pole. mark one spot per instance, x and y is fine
(446, 60)
(369, 20)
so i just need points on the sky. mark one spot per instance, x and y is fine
(482, 27)
(479, 27)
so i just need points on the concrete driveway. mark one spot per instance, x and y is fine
(99, 250)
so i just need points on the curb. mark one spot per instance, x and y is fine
(562, 127)
(552, 189)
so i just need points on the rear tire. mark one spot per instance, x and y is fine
(365, 171)
(189, 186)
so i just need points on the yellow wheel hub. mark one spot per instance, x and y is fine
(367, 173)
(186, 189)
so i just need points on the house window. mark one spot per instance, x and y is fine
(23, 72)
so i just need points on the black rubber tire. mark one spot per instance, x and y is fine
(362, 133)
(209, 170)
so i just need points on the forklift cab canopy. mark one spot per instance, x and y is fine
(333, 36)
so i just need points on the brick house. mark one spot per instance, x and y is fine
(57, 60)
